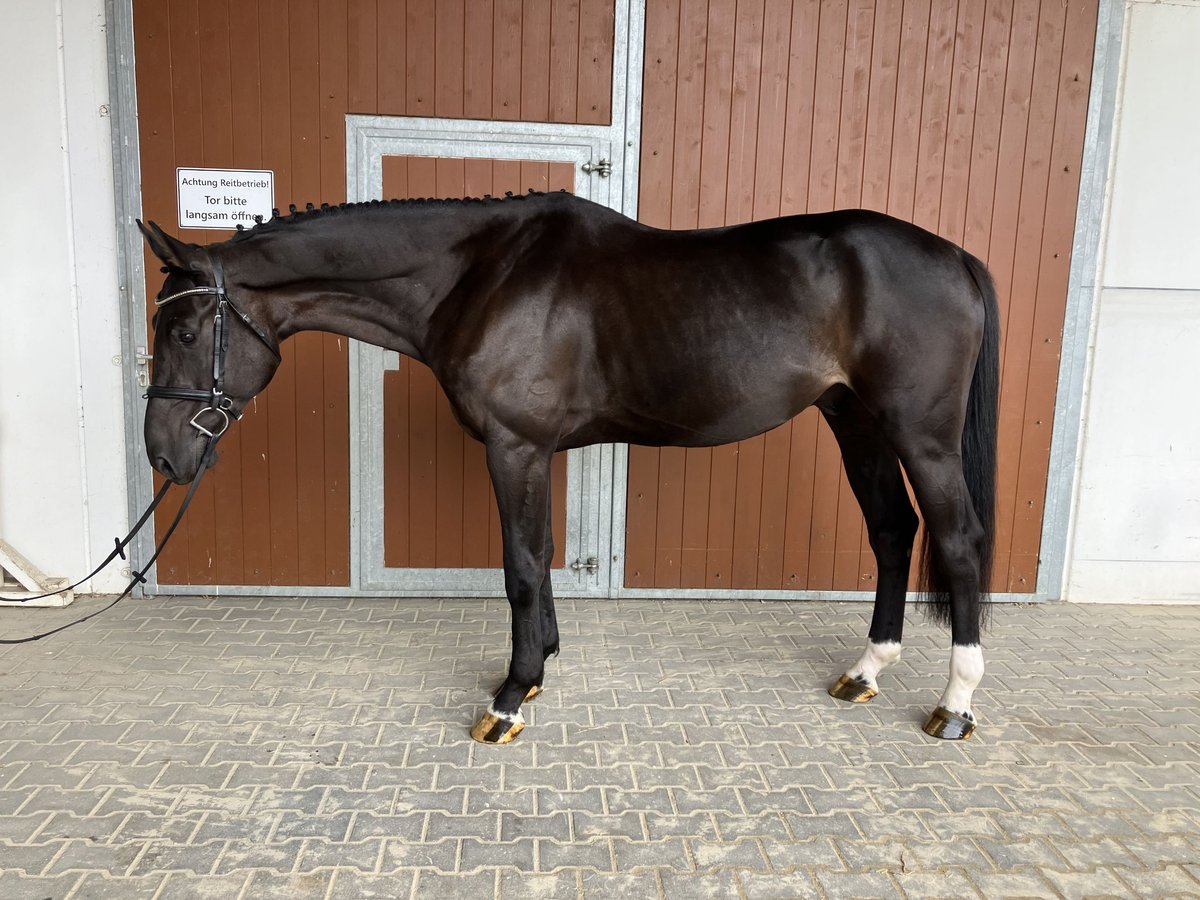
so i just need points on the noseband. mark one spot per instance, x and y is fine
(215, 397)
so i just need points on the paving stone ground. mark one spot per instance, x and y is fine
(315, 748)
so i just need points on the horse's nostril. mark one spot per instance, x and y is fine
(164, 466)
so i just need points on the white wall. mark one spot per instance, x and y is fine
(62, 454)
(1136, 524)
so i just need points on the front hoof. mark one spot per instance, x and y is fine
(498, 728)
(949, 726)
(852, 690)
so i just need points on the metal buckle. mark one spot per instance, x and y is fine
(204, 431)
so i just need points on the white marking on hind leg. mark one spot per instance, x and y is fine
(873, 661)
(966, 671)
(511, 718)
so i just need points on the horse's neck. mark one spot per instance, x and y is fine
(377, 279)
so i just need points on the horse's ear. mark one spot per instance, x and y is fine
(172, 251)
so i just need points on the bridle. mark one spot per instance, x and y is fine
(215, 397)
(218, 403)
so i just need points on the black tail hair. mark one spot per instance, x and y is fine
(978, 453)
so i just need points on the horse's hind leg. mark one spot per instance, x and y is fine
(874, 474)
(546, 604)
(521, 478)
(936, 472)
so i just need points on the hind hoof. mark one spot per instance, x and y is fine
(949, 726)
(497, 728)
(533, 692)
(852, 690)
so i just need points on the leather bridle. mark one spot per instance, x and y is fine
(218, 403)
(215, 397)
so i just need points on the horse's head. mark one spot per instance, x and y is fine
(211, 356)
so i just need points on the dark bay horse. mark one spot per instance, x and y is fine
(552, 323)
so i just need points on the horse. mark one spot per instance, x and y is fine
(688, 338)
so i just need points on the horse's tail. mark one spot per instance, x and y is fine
(978, 451)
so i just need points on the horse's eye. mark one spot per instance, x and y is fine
(187, 337)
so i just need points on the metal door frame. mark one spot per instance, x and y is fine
(589, 494)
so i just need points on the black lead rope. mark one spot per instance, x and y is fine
(140, 576)
(118, 550)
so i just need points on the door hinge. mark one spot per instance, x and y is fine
(142, 359)
(592, 566)
(602, 168)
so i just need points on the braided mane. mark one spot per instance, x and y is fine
(325, 210)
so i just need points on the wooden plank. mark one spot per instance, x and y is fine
(335, 413)
(910, 82)
(985, 142)
(669, 514)
(770, 130)
(777, 446)
(714, 179)
(689, 116)
(881, 105)
(479, 502)
(419, 72)
(831, 53)
(189, 151)
(449, 59)
(852, 139)
(564, 59)
(153, 37)
(801, 106)
(253, 429)
(392, 52)
(477, 61)
(308, 348)
(362, 56)
(743, 112)
(275, 132)
(535, 61)
(450, 439)
(855, 90)
(658, 130)
(718, 98)
(939, 59)
(595, 62)
(772, 108)
(423, 394)
(641, 521)
(747, 511)
(697, 479)
(960, 125)
(506, 61)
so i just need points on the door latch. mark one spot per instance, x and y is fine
(592, 566)
(602, 168)
(142, 362)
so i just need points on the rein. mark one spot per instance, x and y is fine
(217, 403)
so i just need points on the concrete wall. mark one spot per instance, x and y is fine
(62, 445)
(1136, 532)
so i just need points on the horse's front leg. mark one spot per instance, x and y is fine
(521, 477)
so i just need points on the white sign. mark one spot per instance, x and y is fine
(223, 198)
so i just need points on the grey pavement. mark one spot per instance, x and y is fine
(317, 748)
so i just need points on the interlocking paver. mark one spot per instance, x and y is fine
(308, 747)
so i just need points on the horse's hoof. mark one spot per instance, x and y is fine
(949, 726)
(533, 692)
(852, 690)
(498, 728)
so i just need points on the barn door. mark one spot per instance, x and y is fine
(426, 520)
